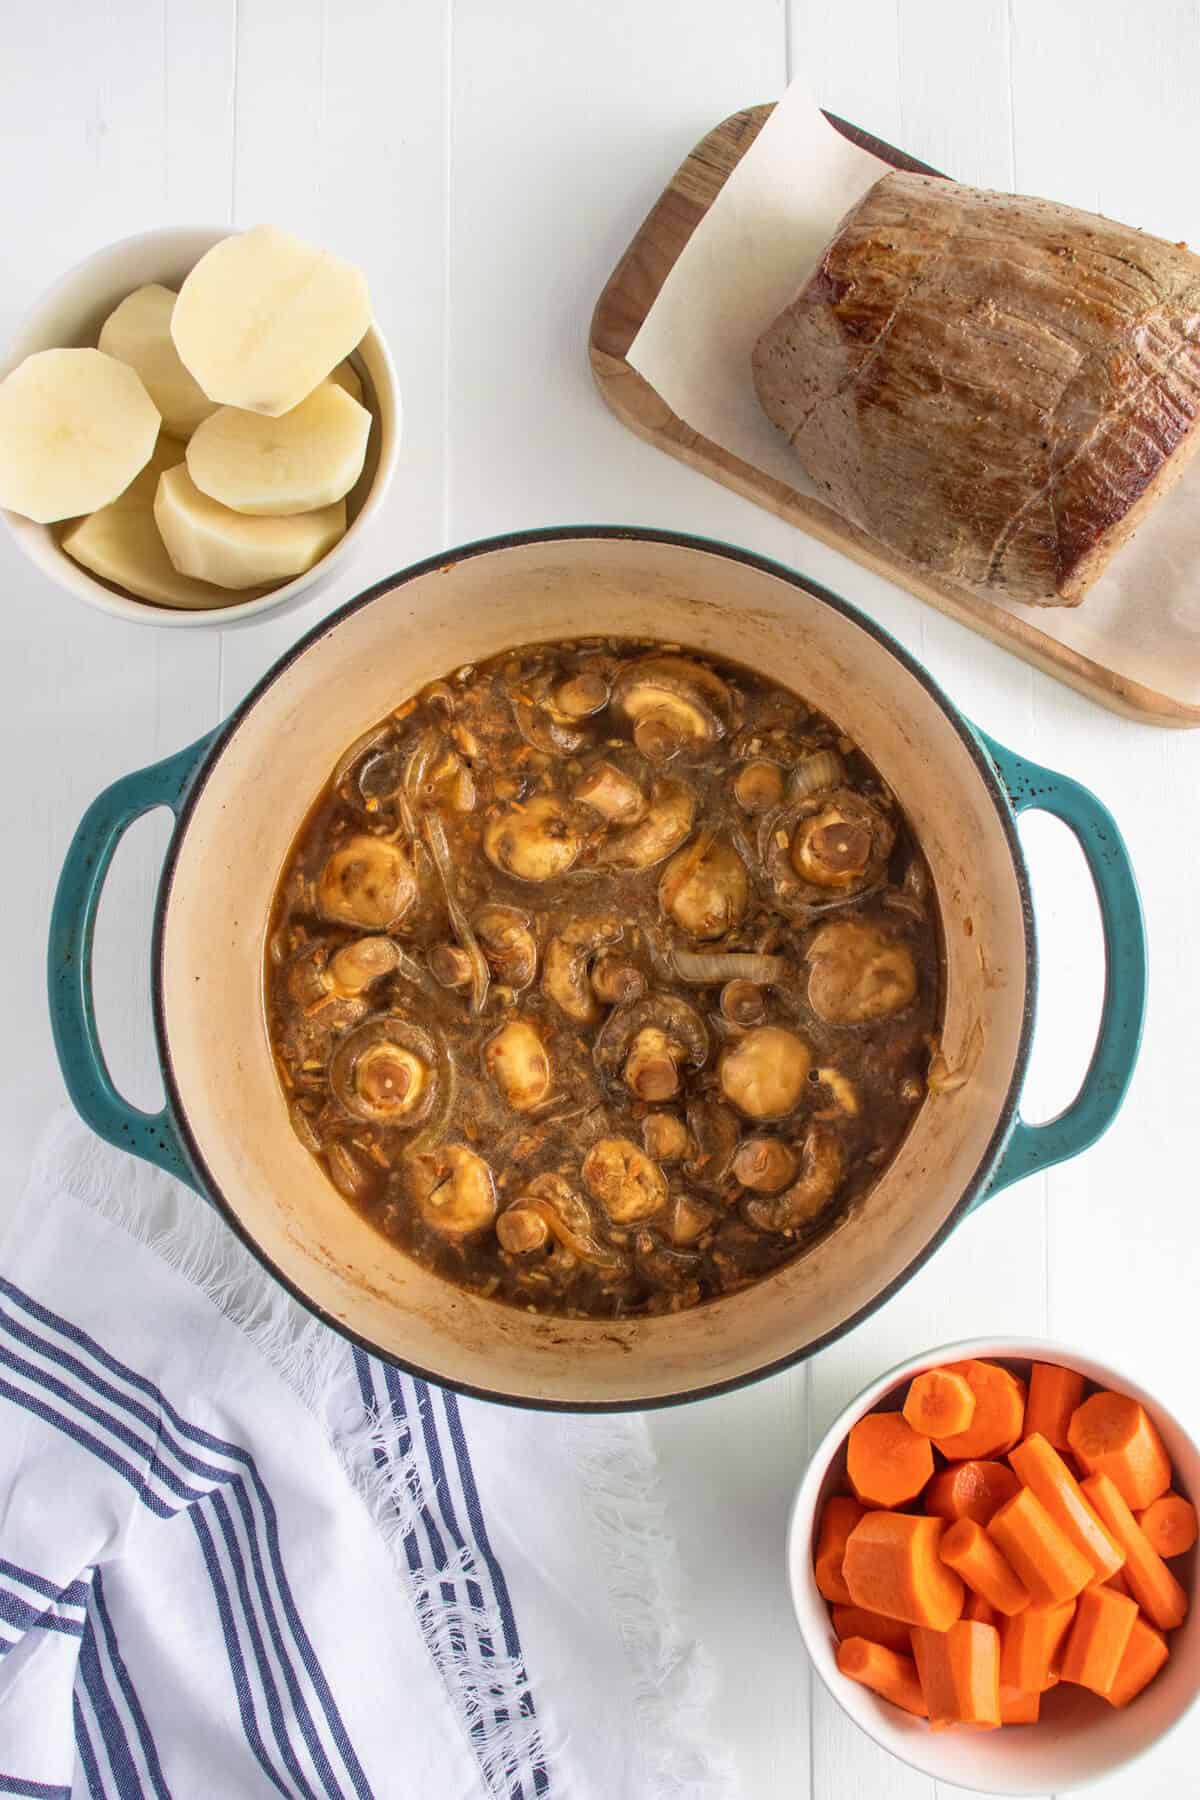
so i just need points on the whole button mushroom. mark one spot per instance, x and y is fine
(613, 793)
(519, 1064)
(666, 825)
(822, 1169)
(550, 1207)
(354, 968)
(764, 1073)
(368, 881)
(565, 965)
(674, 703)
(844, 845)
(858, 973)
(508, 943)
(387, 1072)
(533, 840)
(626, 1182)
(705, 891)
(648, 1042)
(454, 1190)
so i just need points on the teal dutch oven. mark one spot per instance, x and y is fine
(240, 795)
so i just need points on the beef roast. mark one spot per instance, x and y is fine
(998, 388)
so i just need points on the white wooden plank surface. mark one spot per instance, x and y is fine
(487, 165)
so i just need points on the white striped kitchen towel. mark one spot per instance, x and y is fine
(240, 1558)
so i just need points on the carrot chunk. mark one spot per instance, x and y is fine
(1145, 1654)
(1044, 1472)
(838, 1520)
(939, 1403)
(1097, 1640)
(959, 1670)
(1054, 1394)
(1118, 1583)
(892, 1566)
(856, 1621)
(888, 1463)
(970, 1552)
(1150, 1581)
(970, 1490)
(979, 1609)
(1113, 1435)
(893, 1677)
(999, 1412)
(1017, 1707)
(1046, 1561)
(1170, 1524)
(1030, 1645)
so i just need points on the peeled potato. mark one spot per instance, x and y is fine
(75, 428)
(211, 542)
(306, 458)
(346, 376)
(139, 333)
(121, 543)
(263, 317)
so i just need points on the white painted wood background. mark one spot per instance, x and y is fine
(487, 161)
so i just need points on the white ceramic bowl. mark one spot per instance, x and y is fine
(71, 313)
(1079, 1737)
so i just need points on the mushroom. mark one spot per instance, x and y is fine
(764, 1164)
(550, 1207)
(387, 1072)
(354, 968)
(453, 1189)
(624, 1180)
(533, 840)
(519, 1064)
(615, 795)
(565, 965)
(858, 973)
(674, 704)
(705, 889)
(843, 1090)
(665, 1136)
(450, 965)
(368, 881)
(648, 1041)
(668, 822)
(353, 1175)
(616, 982)
(714, 1131)
(764, 1072)
(758, 786)
(543, 731)
(690, 1219)
(508, 943)
(583, 694)
(743, 1002)
(843, 844)
(822, 1167)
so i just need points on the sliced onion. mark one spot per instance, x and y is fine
(813, 774)
(439, 850)
(728, 965)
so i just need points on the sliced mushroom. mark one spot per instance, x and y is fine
(387, 1071)
(519, 1064)
(354, 968)
(858, 973)
(565, 965)
(616, 982)
(533, 840)
(674, 703)
(508, 943)
(368, 881)
(843, 845)
(705, 890)
(764, 1164)
(665, 1136)
(454, 1190)
(624, 1180)
(682, 1037)
(670, 818)
(714, 1131)
(550, 1207)
(822, 1168)
(615, 795)
(758, 786)
(764, 1073)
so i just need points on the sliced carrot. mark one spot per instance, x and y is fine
(892, 1566)
(1044, 1558)
(1017, 1707)
(1115, 1436)
(856, 1621)
(1150, 1581)
(939, 1403)
(1169, 1523)
(1030, 1645)
(886, 1460)
(838, 1520)
(970, 1490)
(1098, 1639)
(1054, 1394)
(1044, 1472)
(959, 1670)
(979, 1609)
(970, 1552)
(892, 1677)
(999, 1412)
(1145, 1654)
(1118, 1583)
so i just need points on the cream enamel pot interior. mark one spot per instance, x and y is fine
(241, 795)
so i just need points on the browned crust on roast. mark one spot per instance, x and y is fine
(998, 388)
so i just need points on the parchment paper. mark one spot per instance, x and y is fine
(753, 250)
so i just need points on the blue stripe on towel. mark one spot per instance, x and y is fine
(36, 1790)
(128, 1783)
(86, 1752)
(133, 1705)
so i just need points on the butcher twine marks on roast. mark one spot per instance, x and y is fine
(997, 388)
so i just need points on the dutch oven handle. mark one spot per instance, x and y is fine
(1030, 788)
(153, 1136)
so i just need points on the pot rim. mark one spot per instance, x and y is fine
(973, 1191)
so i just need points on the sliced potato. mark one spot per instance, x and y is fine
(211, 542)
(306, 458)
(75, 428)
(346, 376)
(263, 317)
(121, 542)
(139, 333)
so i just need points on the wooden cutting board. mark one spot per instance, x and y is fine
(620, 311)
